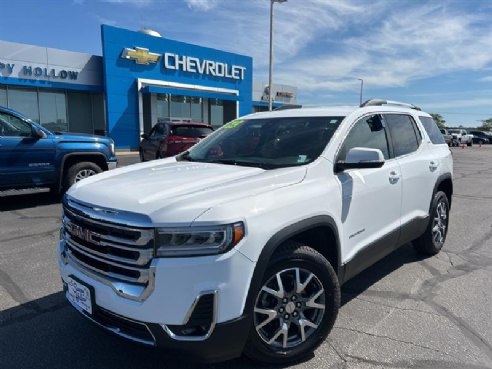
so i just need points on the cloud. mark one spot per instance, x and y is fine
(324, 46)
(486, 79)
(104, 20)
(201, 5)
(137, 3)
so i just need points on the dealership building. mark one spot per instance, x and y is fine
(141, 79)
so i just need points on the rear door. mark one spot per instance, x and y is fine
(25, 160)
(420, 168)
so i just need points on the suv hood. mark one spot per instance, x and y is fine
(172, 192)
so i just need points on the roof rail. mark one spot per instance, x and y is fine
(380, 102)
(288, 106)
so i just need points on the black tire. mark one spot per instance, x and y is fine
(158, 155)
(294, 256)
(140, 153)
(469, 144)
(79, 171)
(432, 241)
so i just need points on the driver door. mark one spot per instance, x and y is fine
(371, 198)
(25, 159)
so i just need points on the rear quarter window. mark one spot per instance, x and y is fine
(432, 130)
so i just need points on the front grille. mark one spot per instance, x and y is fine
(115, 252)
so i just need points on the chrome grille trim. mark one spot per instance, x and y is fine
(144, 258)
(117, 255)
(144, 273)
(146, 234)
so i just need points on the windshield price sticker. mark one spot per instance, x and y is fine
(234, 124)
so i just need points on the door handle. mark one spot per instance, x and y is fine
(394, 176)
(433, 165)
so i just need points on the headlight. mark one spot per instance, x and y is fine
(196, 241)
(111, 147)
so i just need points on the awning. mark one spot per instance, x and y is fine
(188, 92)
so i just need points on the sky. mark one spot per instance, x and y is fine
(434, 54)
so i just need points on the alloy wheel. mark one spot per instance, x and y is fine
(439, 224)
(84, 173)
(289, 308)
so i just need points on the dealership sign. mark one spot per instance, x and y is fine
(29, 71)
(185, 63)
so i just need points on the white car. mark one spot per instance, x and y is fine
(462, 136)
(240, 244)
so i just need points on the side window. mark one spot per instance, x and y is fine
(13, 127)
(367, 132)
(158, 131)
(433, 131)
(403, 135)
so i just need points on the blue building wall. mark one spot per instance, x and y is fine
(120, 78)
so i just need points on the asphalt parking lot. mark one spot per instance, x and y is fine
(403, 312)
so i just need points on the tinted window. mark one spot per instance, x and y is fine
(159, 130)
(403, 135)
(432, 130)
(368, 132)
(191, 131)
(13, 126)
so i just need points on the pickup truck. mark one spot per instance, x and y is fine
(32, 156)
(462, 136)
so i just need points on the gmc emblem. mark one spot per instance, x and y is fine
(82, 233)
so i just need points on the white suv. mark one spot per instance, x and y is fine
(241, 243)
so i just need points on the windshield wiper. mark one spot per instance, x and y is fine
(244, 163)
(185, 156)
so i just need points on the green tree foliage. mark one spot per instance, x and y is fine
(441, 123)
(486, 125)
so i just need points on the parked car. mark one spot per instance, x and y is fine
(462, 136)
(32, 156)
(448, 138)
(481, 136)
(240, 244)
(171, 138)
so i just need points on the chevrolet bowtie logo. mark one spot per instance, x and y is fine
(140, 55)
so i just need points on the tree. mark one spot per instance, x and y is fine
(441, 123)
(486, 125)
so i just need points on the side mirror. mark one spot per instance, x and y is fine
(38, 132)
(361, 158)
(144, 136)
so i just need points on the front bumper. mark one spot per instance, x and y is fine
(226, 342)
(164, 316)
(111, 164)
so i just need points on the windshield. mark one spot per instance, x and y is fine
(266, 143)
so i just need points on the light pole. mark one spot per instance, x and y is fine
(361, 88)
(270, 96)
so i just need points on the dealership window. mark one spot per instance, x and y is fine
(53, 111)
(180, 107)
(196, 109)
(99, 114)
(3, 97)
(216, 112)
(58, 110)
(162, 107)
(24, 101)
(80, 112)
